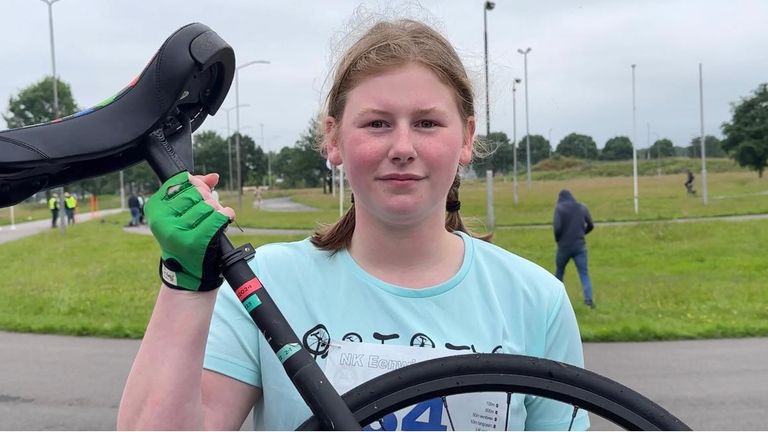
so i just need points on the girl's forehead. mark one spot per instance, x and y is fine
(412, 83)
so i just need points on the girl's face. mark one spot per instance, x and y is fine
(401, 139)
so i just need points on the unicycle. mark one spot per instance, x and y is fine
(153, 119)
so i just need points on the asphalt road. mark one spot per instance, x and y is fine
(75, 383)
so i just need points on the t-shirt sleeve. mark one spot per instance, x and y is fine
(233, 340)
(563, 344)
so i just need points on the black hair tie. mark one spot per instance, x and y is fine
(453, 206)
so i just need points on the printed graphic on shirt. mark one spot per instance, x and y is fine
(349, 364)
(317, 339)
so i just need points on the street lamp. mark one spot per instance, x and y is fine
(634, 140)
(703, 140)
(527, 130)
(229, 144)
(63, 220)
(489, 5)
(237, 125)
(514, 136)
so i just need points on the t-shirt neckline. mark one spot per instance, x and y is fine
(434, 290)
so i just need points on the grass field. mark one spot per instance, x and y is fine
(651, 281)
(609, 199)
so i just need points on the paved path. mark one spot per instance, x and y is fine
(8, 233)
(282, 204)
(735, 218)
(75, 383)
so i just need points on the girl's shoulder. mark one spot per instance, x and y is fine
(508, 265)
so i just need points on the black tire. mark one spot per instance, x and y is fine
(460, 374)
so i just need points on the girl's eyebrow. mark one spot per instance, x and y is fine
(419, 112)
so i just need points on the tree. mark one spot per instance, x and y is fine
(211, 154)
(34, 104)
(302, 165)
(746, 136)
(617, 148)
(578, 146)
(540, 150)
(662, 148)
(501, 158)
(712, 145)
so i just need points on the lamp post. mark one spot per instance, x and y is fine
(527, 125)
(237, 125)
(703, 141)
(489, 5)
(634, 141)
(269, 158)
(514, 137)
(62, 218)
(231, 183)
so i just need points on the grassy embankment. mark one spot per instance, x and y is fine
(652, 281)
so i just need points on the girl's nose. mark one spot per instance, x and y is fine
(402, 149)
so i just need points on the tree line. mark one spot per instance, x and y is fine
(580, 146)
(300, 165)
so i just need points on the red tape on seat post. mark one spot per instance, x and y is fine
(248, 288)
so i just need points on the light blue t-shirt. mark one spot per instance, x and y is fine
(496, 302)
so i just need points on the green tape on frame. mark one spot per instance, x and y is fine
(251, 303)
(287, 351)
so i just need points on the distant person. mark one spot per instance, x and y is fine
(53, 205)
(689, 183)
(572, 222)
(70, 206)
(134, 205)
(257, 197)
(141, 210)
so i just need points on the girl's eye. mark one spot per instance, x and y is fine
(376, 124)
(426, 124)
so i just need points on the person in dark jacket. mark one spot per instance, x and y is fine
(134, 205)
(572, 222)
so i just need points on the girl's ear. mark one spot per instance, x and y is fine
(465, 157)
(330, 141)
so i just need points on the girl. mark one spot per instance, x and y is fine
(398, 275)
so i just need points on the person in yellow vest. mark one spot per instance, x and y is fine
(70, 204)
(53, 205)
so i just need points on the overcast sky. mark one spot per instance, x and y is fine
(579, 71)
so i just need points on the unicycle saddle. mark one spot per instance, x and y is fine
(186, 80)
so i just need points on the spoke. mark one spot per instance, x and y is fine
(506, 416)
(448, 410)
(573, 416)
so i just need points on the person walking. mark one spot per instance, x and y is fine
(572, 222)
(134, 205)
(70, 206)
(53, 206)
(689, 182)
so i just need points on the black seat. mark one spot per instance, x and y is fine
(188, 77)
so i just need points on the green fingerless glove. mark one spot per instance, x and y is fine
(187, 229)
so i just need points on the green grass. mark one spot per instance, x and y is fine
(651, 281)
(664, 280)
(95, 280)
(609, 199)
(569, 168)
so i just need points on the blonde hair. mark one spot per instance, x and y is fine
(387, 45)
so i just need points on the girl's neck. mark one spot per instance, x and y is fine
(413, 256)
